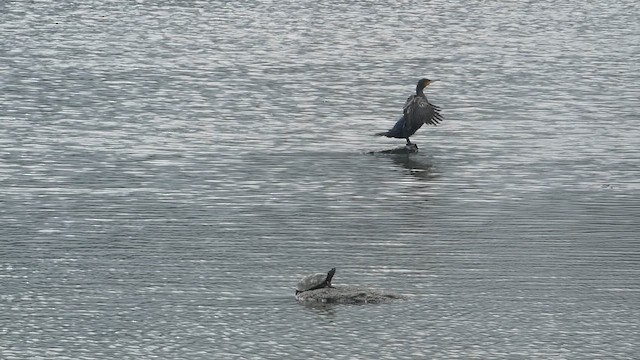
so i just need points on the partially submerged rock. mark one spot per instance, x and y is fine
(347, 295)
(407, 149)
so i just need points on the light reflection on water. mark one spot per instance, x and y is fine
(168, 172)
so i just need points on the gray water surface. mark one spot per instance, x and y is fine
(169, 170)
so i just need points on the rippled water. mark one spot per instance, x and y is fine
(168, 171)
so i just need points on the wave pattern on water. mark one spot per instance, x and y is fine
(168, 171)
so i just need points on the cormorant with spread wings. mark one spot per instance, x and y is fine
(417, 111)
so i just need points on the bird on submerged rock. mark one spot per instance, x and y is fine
(417, 111)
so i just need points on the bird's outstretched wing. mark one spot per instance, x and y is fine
(418, 110)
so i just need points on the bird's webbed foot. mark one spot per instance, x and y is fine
(411, 147)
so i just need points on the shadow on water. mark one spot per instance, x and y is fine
(417, 165)
(324, 310)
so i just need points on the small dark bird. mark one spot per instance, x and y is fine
(417, 111)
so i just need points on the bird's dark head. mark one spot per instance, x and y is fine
(423, 83)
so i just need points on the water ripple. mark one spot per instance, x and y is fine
(168, 171)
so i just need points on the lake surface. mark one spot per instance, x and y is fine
(169, 170)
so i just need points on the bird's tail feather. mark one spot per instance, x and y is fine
(384, 133)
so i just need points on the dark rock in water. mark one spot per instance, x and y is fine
(407, 149)
(347, 295)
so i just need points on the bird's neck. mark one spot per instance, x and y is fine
(419, 91)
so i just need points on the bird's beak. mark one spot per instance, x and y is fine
(432, 81)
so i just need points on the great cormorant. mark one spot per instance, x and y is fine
(417, 111)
